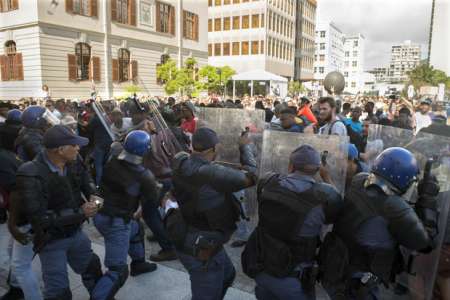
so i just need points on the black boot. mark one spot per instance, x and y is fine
(14, 293)
(141, 267)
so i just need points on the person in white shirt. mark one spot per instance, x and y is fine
(327, 115)
(120, 125)
(422, 116)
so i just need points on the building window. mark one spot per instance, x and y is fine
(218, 2)
(321, 70)
(210, 25)
(347, 64)
(355, 53)
(261, 47)
(226, 49)
(355, 43)
(347, 53)
(322, 57)
(122, 11)
(165, 18)
(345, 74)
(235, 48)
(124, 64)
(226, 2)
(8, 5)
(354, 63)
(226, 23)
(353, 84)
(11, 63)
(81, 7)
(322, 34)
(236, 22)
(83, 58)
(346, 84)
(244, 50)
(190, 27)
(322, 46)
(236, 1)
(245, 22)
(210, 2)
(217, 49)
(255, 21)
(262, 20)
(255, 47)
(217, 24)
(210, 50)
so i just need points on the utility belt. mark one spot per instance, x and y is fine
(307, 275)
(114, 212)
(201, 245)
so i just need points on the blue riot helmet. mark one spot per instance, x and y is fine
(35, 116)
(137, 142)
(398, 167)
(14, 115)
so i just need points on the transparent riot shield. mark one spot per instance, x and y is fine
(228, 123)
(102, 114)
(422, 268)
(278, 146)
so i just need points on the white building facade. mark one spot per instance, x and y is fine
(76, 47)
(252, 35)
(404, 58)
(329, 55)
(440, 40)
(354, 48)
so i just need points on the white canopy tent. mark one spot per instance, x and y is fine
(279, 82)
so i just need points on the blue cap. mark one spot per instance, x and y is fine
(204, 139)
(305, 155)
(60, 135)
(14, 115)
(353, 152)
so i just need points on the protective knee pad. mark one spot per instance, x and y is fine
(122, 271)
(92, 273)
(65, 295)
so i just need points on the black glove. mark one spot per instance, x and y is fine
(428, 190)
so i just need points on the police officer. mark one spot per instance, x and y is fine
(35, 119)
(50, 189)
(281, 252)
(208, 211)
(125, 185)
(375, 221)
(354, 165)
(9, 130)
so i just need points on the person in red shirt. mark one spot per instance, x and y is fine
(305, 110)
(189, 123)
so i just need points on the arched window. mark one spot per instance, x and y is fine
(124, 64)
(10, 48)
(11, 63)
(83, 58)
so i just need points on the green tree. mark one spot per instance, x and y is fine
(167, 74)
(186, 77)
(425, 74)
(214, 79)
(132, 89)
(295, 88)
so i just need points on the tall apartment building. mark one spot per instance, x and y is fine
(439, 38)
(304, 41)
(381, 74)
(404, 58)
(354, 47)
(252, 35)
(76, 46)
(329, 53)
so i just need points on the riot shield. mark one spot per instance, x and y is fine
(102, 114)
(422, 271)
(278, 146)
(228, 123)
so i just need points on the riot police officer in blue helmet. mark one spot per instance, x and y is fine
(125, 185)
(9, 130)
(208, 212)
(377, 219)
(35, 119)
